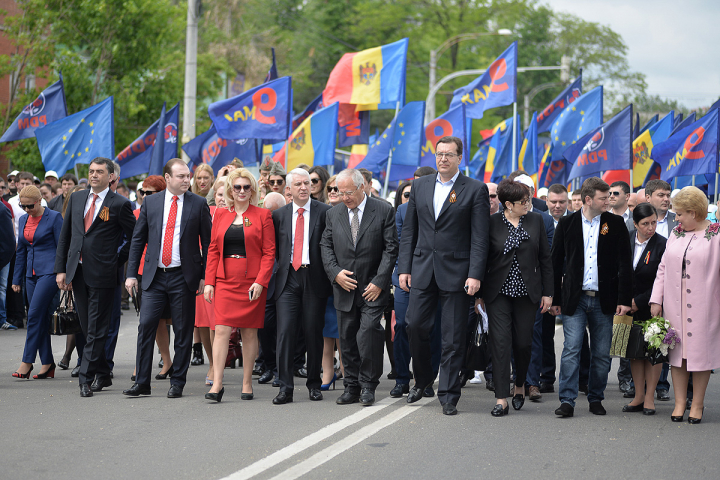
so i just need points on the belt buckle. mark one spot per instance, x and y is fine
(304, 265)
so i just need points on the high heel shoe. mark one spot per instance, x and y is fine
(23, 375)
(499, 411)
(64, 364)
(326, 386)
(246, 396)
(677, 418)
(695, 421)
(215, 396)
(49, 374)
(163, 376)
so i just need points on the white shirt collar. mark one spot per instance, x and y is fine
(306, 206)
(102, 194)
(449, 182)
(637, 241)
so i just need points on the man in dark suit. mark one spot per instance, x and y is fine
(7, 250)
(68, 182)
(301, 285)
(359, 248)
(87, 261)
(443, 254)
(594, 248)
(175, 226)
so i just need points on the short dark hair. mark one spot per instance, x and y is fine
(450, 139)
(557, 188)
(25, 176)
(367, 175)
(577, 192)
(167, 169)
(643, 210)
(625, 187)
(655, 185)
(45, 184)
(122, 185)
(104, 161)
(510, 191)
(399, 193)
(592, 185)
(69, 177)
(422, 171)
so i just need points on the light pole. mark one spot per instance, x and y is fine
(435, 54)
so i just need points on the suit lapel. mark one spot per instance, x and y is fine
(186, 211)
(367, 219)
(289, 219)
(457, 187)
(314, 214)
(344, 220)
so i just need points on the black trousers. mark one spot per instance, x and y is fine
(510, 331)
(362, 340)
(420, 319)
(298, 305)
(268, 338)
(166, 288)
(94, 306)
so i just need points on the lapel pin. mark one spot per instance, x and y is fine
(453, 197)
(604, 230)
(246, 221)
(104, 214)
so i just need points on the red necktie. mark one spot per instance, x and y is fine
(299, 239)
(90, 215)
(169, 233)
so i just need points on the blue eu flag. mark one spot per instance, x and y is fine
(78, 138)
(547, 117)
(578, 118)
(407, 135)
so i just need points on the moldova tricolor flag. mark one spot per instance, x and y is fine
(643, 145)
(313, 142)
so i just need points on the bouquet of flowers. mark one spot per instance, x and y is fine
(660, 337)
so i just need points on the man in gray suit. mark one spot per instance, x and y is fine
(359, 247)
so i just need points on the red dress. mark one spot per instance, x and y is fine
(232, 277)
(204, 311)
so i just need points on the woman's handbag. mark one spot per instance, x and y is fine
(65, 320)
(620, 335)
(636, 344)
(477, 356)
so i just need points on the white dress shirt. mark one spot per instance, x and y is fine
(662, 226)
(442, 190)
(625, 215)
(19, 212)
(591, 231)
(306, 235)
(639, 249)
(361, 209)
(98, 202)
(175, 261)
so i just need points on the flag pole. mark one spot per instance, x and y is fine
(514, 138)
(716, 188)
(389, 162)
(693, 180)
(631, 180)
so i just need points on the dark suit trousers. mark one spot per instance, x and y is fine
(114, 327)
(420, 320)
(94, 307)
(41, 290)
(362, 340)
(510, 330)
(268, 338)
(297, 305)
(166, 288)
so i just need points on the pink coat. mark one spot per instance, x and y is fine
(700, 329)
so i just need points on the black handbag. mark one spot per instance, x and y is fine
(636, 345)
(478, 352)
(65, 320)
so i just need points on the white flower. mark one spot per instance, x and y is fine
(647, 336)
(664, 349)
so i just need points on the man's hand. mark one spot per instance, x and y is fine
(16, 288)
(343, 279)
(60, 280)
(556, 310)
(546, 304)
(634, 307)
(622, 310)
(405, 281)
(656, 310)
(131, 283)
(473, 286)
(201, 287)
(371, 293)
(209, 293)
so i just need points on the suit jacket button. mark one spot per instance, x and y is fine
(689, 320)
(689, 306)
(689, 334)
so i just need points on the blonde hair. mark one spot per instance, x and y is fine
(203, 167)
(692, 199)
(219, 181)
(31, 191)
(244, 173)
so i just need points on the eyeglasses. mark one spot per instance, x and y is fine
(240, 188)
(493, 195)
(349, 194)
(406, 194)
(332, 189)
(522, 202)
(446, 155)
(276, 182)
(314, 180)
(26, 207)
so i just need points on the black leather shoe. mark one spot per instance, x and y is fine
(518, 401)
(392, 375)
(547, 388)
(399, 390)
(276, 382)
(258, 369)
(663, 395)
(99, 383)
(565, 410)
(347, 398)
(175, 391)
(678, 418)
(301, 372)
(648, 411)
(449, 409)
(266, 377)
(75, 372)
(283, 398)
(631, 391)
(596, 408)
(490, 385)
(414, 394)
(315, 394)
(85, 390)
(429, 392)
(629, 395)
(137, 390)
(367, 397)
(632, 408)
(499, 411)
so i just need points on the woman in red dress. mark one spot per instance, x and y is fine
(239, 266)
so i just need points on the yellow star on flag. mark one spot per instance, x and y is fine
(64, 138)
(91, 124)
(66, 152)
(401, 125)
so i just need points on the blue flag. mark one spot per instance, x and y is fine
(528, 157)
(217, 152)
(78, 138)
(48, 107)
(156, 158)
(636, 126)
(262, 112)
(273, 72)
(547, 117)
(556, 172)
(452, 123)
(135, 158)
(479, 160)
(713, 107)
(494, 88)
(653, 120)
(378, 151)
(356, 132)
(679, 126)
(608, 147)
(407, 135)
(692, 150)
(678, 120)
(582, 116)
(500, 152)
(315, 105)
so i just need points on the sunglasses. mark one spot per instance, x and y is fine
(26, 207)
(615, 194)
(406, 194)
(240, 188)
(314, 180)
(332, 189)
(146, 192)
(493, 195)
(276, 182)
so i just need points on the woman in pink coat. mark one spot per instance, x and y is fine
(688, 289)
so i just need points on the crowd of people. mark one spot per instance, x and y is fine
(293, 273)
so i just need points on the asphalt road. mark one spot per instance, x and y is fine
(50, 432)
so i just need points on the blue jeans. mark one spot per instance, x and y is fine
(4, 272)
(588, 314)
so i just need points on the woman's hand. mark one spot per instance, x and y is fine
(16, 288)
(255, 291)
(656, 310)
(546, 303)
(209, 293)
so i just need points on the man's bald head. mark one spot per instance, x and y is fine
(273, 201)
